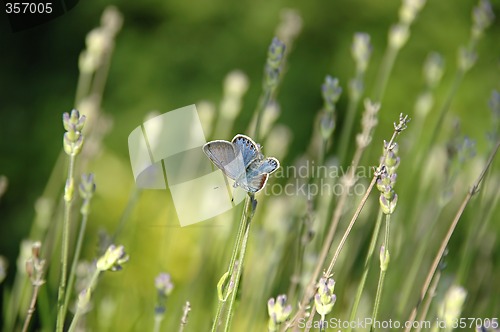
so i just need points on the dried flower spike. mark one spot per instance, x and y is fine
(403, 122)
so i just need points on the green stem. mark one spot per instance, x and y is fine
(101, 74)
(348, 125)
(427, 304)
(76, 257)
(444, 110)
(384, 72)
(129, 208)
(322, 155)
(412, 274)
(383, 271)
(83, 86)
(64, 251)
(473, 234)
(297, 272)
(79, 307)
(263, 102)
(158, 320)
(230, 271)
(248, 218)
(310, 288)
(368, 260)
(472, 191)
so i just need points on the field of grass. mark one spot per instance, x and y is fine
(383, 216)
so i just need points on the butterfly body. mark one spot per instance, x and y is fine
(242, 161)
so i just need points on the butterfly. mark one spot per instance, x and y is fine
(242, 161)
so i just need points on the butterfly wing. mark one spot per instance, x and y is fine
(257, 174)
(224, 156)
(268, 165)
(255, 184)
(250, 151)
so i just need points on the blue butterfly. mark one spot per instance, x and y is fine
(242, 161)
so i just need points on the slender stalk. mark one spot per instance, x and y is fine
(79, 308)
(473, 190)
(358, 210)
(241, 259)
(158, 320)
(473, 234)
(129, 208)
(368, 260)
(301, 247)
(351, 225)
(232, 286)
(384, 72)
(263, 102)
(64, 251)
(76, 257)
(322, 154)
(383, 270)
(428, 300)
(184, 319)
(31, 309)
(309, 291)
(411, 276)
(101, 74)
(380, 285)
(83, 86)
(442, 113)
(347, 128)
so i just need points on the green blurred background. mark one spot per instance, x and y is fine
(174, 53)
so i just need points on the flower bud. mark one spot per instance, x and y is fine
(324, 300)
(361, 50)
(278, 312)
(331, 91)
(112, 259)
(384, 258)
(398, 36)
